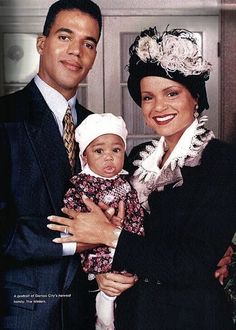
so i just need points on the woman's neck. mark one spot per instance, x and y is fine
(171, 142)
(168, 148)
(173, 139)
(164, 158)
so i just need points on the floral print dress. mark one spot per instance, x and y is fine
(110, 192)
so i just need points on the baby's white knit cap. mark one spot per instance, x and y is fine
(96, 125)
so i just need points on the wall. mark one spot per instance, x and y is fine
(228, 71)
(119, 7)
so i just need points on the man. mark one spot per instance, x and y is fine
(43, 286)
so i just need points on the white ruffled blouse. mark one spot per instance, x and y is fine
(149, 176)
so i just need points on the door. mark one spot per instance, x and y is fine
(119, 33)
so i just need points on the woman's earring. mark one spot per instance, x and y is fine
(196, 114)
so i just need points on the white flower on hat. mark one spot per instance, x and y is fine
(147, 49)
(173, 52)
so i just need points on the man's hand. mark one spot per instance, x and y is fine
(114, 284)
(222, 272)
(84, 227)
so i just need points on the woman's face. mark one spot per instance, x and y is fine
(167, 107)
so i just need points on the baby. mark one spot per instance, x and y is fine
(102, 145)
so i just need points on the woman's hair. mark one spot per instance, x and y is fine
(85, 6)
(174, 55)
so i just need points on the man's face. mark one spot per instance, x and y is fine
(68, 52)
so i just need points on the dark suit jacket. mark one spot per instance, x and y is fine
(42, 289)
(187, 232)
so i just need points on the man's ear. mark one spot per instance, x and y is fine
(40, 44)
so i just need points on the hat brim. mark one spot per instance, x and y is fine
(195, 84)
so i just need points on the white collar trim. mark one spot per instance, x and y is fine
(187, 146)
(87, 170)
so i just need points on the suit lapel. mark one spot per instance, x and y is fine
(48, 147)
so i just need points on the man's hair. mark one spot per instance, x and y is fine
(85, 6)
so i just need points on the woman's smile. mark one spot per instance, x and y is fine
(164, 119)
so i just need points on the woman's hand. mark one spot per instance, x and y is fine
(118, 219)
(222, 272)
(114, 284)
(86, 227)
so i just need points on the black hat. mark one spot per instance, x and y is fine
(173, 55)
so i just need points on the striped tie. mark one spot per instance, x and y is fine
(69, 136)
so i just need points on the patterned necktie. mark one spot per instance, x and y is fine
(69, 136)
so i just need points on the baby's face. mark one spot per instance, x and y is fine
(105, 155)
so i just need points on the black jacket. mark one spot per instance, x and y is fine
(34, 176)
(187, 232)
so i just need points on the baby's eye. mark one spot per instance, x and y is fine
(116, 150)
(98, 151)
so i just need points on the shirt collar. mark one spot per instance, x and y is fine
(56, 101)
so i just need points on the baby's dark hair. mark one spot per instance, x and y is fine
(85, 6)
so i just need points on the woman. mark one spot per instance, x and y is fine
(186, 182)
